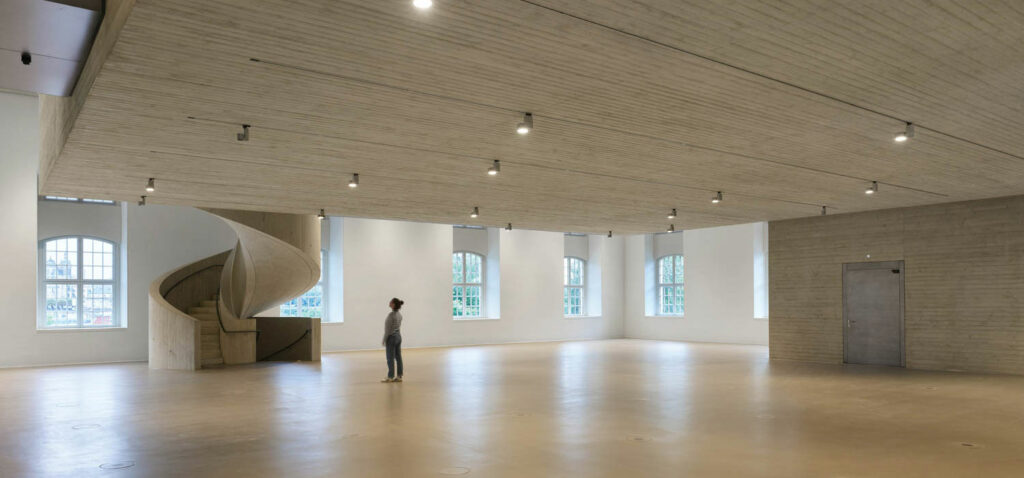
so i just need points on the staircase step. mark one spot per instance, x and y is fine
(209, 362)
(211, 352)
(209, 327)
(208, 303)
(212, 317)
(210, 340)
(202, 310)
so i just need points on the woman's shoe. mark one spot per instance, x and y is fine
(387, 380)
(399, 379)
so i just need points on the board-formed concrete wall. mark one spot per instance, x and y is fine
(964, 282)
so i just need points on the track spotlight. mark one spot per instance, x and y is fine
(527, 125)
(672, 215)
(321, 216)
(671, 228)
(142, 200)
(905, 134)
(422, 4)
(508, 227)
(824, 210)
(872, 189)
(151, 185)
(495, 168)
(475, 213)
(609, 234)
(244, 135)
(717, 198)
(354, 182)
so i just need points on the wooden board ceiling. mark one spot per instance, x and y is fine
(640, 106)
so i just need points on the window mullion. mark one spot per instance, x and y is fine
(81, 287)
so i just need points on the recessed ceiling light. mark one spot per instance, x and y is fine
(495, 168)
(422, 4)
(475, 213)
(672, 215)
(526, 125)
(717, 198)
(872, 189)
(354, 182)
(904, 135)
(151, 185)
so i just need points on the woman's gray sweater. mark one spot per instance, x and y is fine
(392, 325)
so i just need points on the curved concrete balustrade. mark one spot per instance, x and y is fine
(276, 258)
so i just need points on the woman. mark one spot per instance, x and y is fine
(393, 340)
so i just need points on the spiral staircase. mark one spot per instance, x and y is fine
(203, 314)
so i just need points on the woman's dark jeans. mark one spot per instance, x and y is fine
(394, 354)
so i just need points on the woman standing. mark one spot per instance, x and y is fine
(393, 340)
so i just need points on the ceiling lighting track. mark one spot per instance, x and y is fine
(566, 121)
(769, 78)
(496, 164)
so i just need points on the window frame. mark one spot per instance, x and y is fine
(74, 200)
(464, 285)
(323, 284)
(674, 285)
(566, 287)
(80, 281)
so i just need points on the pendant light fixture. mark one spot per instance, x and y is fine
(904, 135)
(476, 213)
(671, 228)
(508, 227)
(354, 182)
(717, 198)
(142, 200)
(872, 189)
(824, 210)
(321, 216)
(526, 125)
(672, 215)
(151, 185)
(495, 168)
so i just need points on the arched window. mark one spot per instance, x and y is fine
(310, 304)
(79, 283)
(670, 285)
(573, 271)
(467, 284)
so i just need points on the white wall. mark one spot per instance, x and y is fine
(412, 261)
(158, 239)
(719, 280)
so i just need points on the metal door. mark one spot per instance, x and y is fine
(873, 313)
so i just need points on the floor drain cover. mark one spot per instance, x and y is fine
(87, 426)
(455, 470)
(118, 465)
(639, 438)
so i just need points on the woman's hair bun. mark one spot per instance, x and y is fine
(398, 302)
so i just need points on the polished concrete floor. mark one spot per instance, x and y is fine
(608, 408)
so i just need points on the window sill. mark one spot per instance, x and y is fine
(337, 322)
(665, 316)
(571, 317)
(761, 318)
(81, 329)
(473, 319)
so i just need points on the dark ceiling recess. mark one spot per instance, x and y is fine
(44, 43)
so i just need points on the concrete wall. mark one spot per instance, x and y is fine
(964, 307)
(412, 261)
(719, 278)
